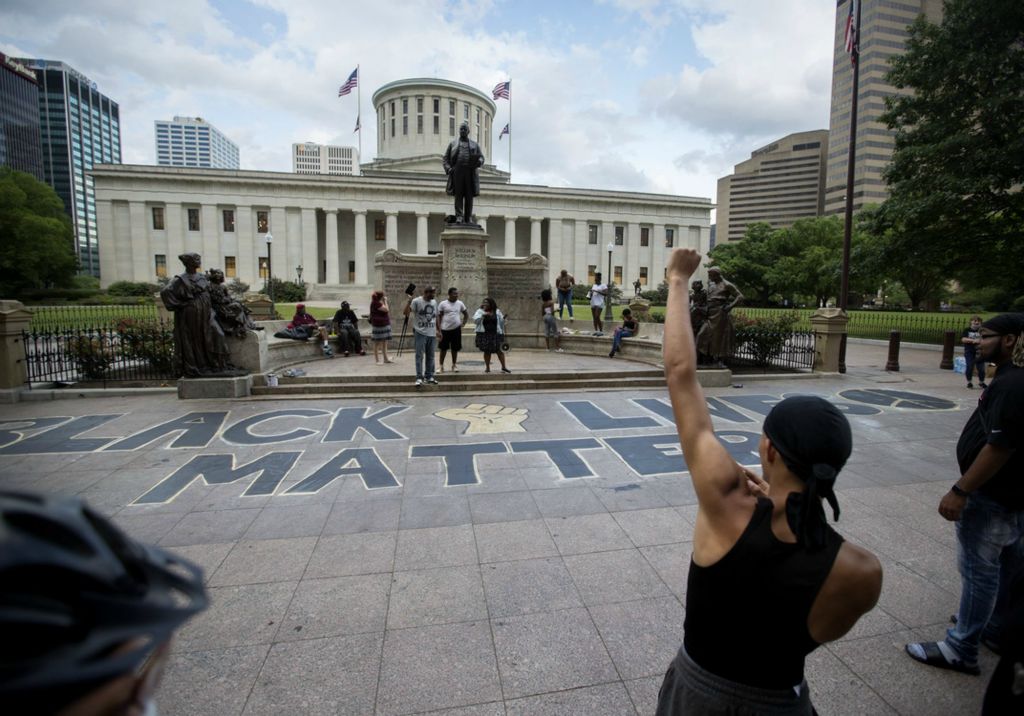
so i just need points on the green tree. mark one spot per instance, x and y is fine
(958, 163)
(746, 263)
(35, 236)
(888, 252)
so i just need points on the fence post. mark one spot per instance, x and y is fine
(893, 362)
(947, 351)
(14, 319)
(829, 325)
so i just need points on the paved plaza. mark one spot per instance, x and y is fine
(507, 554)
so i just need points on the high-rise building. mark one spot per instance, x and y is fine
(193, 142)
(312, 158)
(79, 127)
(19, 118)
(883, 34)
(780, 183)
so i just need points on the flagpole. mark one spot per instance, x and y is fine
(509, 130)
(844, 289)
(359, 116)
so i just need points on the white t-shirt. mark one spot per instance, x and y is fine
(451, 314)
(424, 316)
(597, 299)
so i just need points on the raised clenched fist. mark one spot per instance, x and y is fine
(487, 419)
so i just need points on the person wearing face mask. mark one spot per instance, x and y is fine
(971, 339)
(87, 613)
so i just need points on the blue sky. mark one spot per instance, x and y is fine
(649, 95)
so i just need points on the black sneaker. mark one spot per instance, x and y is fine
(982, 385)
(971, 385)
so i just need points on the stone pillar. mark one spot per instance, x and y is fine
(359, 255)
(279, 230)
(247, 259)
(510, 237)
(112, 263)
(391, 230)
(464, 263)
(631, 260)
(175, 223)
(580, 237)
(482, 220)
(331, 248)
(535, 234)
(829, 325)
(310, 261)
(13, 320)
(209, 227)
(659, 252)
(421, 234)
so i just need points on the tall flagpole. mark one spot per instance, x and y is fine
(359, 116)
(844, 288)
(509, 130)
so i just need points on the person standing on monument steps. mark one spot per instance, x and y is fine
(769, 579)
(452, 315)
(461, 161)
(424, 326)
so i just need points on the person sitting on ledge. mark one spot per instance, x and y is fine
(346, 327)
(628, 329)
(305, 327)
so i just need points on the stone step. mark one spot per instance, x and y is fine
(405, 385)
(468, 376)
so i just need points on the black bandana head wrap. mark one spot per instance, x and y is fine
(1009, 324)
(814, 440)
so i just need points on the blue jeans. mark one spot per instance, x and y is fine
(564, 297)
(425, 346)
(620, 333)
(971, 360)
(990, 549)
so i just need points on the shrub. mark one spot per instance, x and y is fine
(657, 317)
(764, 338)
(287, 291)
(238, 288)
(148, 341)
(657, 297)
(92, 354)
(132, 288)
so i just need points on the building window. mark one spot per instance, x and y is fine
(352, 267)
(465, 112)
(620, 235)
(437, 105)
(160, 264)
(419, 124)
(263, 266)
(405, 124)
(419, 104)
(645, 236)
(437, 124)
(643, 275)
(158, 218)
(451, 126)
(618, 275)
(392, 126)
(592, 234)
(670, 238)
(229, 220)
(591, 274)
(405, 106)
(262, 222)
(379, 232)
(230, 271)
(193, 219)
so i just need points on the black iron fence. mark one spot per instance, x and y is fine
(55, 318)
(768, 349)
(131, 350)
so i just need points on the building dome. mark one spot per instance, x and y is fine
(418, 118)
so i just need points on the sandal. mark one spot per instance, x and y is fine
(928, 652)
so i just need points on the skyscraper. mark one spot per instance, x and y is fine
(883, 34)
(79, 127)
(780, 183)
(19, 118)
(312, 158)
(193, 142)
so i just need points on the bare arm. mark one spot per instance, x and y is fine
(715, 475)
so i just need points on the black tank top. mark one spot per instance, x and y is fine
(746, 615)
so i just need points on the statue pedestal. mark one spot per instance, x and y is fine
(204, 388)
(829, 325)
(464, 264)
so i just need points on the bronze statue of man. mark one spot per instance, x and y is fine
(461, 161)
(718, 335)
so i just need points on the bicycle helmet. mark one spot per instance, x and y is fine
(75, 593)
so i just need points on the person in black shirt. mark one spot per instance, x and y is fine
(987, 504)
(628, 329)
(346, 327)
(971, 340)
(769, 580)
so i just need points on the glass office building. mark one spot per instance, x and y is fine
(19, 118)
(193, 142)
(79, 127)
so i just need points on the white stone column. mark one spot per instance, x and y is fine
(310, 261)
(658, 255)
(607, 237)
(556, 240)
(279, 230)
(174, 221)
(579, 251)
(510, 236)
(631, 259)
(331, 248)
(421, 234)
(359, 232)
(535, 234)
(109, 271)
(143, 262)
(391, 230)
(209, 227)
(247, 263)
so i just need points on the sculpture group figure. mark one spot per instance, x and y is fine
(717, 337)
(461, 161)
(199, 345)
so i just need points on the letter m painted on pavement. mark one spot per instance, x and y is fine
(221, 470)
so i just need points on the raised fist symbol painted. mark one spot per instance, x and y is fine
(487, 419)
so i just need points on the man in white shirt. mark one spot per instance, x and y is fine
(598, 294)
(424, 325)
(451, 317)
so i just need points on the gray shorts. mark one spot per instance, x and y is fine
(690, 689)
(550, 326)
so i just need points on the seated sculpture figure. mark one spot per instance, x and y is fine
(234, 318)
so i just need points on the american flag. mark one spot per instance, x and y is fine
(503, 133)
(350, 84)
(358, 127)
(502, 90)
(851, 31)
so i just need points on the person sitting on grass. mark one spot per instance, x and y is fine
(346, 328)
(628, 329)
(305, 327)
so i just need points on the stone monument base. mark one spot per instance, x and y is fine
(200, 388)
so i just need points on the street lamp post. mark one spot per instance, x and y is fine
(608, 285)
(270, 271)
